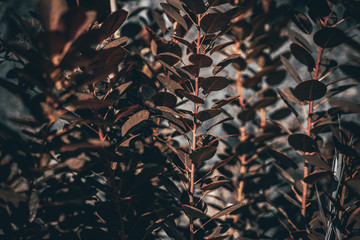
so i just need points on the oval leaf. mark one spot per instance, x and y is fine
(301, 21)
(174, 14)
(235, 59)
(201, 60)
(193, 212)
(191, 97)
(207, 114)
(329, 37)
(202, 154)
(302, 142)
(214, 22)
(134, 120)
(310, 90)
(214, 83)
(316, 176)
(228, 210)
(302, 55)
(281, 157)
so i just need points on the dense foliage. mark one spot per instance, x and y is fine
(193, 124)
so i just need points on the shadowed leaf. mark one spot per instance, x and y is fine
(302, 55)
(301, 21)
(302, 142)
(214, 83)
(228, 210)
(207, 114)
(316, 176)
(174, 14)
(134, 120)
(329, 37)
(310, 90)
(235, 59)
(193, 212)
(214, 22)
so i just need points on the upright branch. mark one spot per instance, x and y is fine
(194, 132)
(309, 123)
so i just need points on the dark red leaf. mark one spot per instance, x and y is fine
(214, 83)
(302, 55)
(329, 37)
(174, 14)
(301, 21)
(234, 59)
(200, 60)
(302, 142)
(316, 176)
(214, 22)
(191, 97)
(113, 23)
(310, 90)
(207, 114)
(134, 120)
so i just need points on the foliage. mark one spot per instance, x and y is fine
(127, 138)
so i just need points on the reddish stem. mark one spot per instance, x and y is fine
(194, 132)
(309, 123)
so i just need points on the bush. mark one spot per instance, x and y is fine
(186, 125)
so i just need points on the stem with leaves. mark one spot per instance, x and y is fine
(309, 123)
(194, 132)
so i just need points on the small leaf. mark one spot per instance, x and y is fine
(280, 114)
(214, 83)
(284, 174)
(200, 60)
(298, 38)
(352, 71)
(302, 142)
(170, 186)
(193, 212)
(302, 55)
(50, 13)
(202, 154)
(223, 102)
(164, 99)
(283, 158)
(191, 97)
(354, 184)
(317, 161)
(316, 176)
(113, 23)
(221, 46)
(301, 21)
(214, 22)
(169, 84)
(215, 183)
(174, 14)
(223, 162)
(264, 102)
(207, 114)
(287, 102)
(134, 120)
(329, 37)
(246, 114)
(345, 105)
(234, 59)
(159, 20)
(290, 199)
(197, 6)
(310, 90)
(228, 210)
(290, 69)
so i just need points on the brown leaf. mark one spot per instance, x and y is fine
(134, 120)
